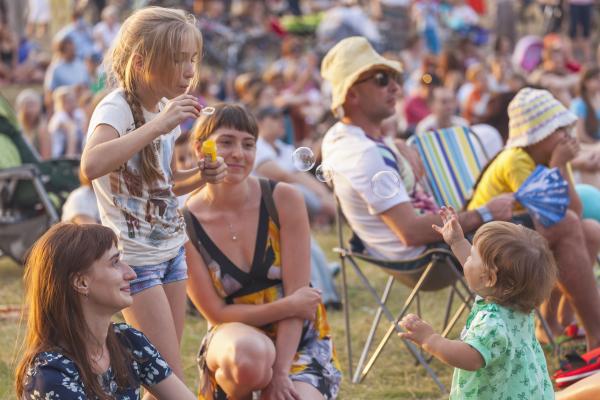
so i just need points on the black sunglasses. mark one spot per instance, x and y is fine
(382, 78)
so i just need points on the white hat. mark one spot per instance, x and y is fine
(534, 114)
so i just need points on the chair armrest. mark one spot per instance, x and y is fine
(24, 172)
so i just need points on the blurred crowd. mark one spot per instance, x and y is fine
(463, 61)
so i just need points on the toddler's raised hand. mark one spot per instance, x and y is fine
(451, 231)
(416, 329)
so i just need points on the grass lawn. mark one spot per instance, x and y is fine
(394, 376)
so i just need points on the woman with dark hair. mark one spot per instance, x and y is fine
(75, 282)
(451, 69)
(249, 271)
(587, 106)
(587, 109)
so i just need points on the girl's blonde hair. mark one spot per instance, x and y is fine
(154, 35)
(523, 263)
(59, 95)
(26, 96)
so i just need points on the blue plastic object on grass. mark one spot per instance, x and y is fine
(545, 195)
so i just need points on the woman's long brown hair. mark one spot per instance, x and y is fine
(54, 314)
(591, 121)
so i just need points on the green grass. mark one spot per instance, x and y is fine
(394, 375)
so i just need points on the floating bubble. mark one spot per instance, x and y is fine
(208, 110)
(324, 173)
(385, 184)
(303, 158)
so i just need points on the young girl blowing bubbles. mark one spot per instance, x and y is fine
(511, 269)
(129, 158)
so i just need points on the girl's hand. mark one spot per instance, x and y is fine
(280, 388)
(451, 231)
(416, 329)
(176, 111)
(304, 302)
(212, 172)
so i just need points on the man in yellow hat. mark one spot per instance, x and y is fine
(391, 215)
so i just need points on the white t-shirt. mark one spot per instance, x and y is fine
(430, 123)
(281, 153)
(81, 201)
(58, 133)
(356, 159)
(106, 34)
(146, 220)
(490, 139)
(39, 12)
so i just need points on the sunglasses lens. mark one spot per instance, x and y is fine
(382, 79)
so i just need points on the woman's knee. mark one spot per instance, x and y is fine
(568, 229)
(591, 231)
(250, 361)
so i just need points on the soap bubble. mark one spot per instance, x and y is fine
(303, 158)
(208, 110)
(324, 173)
(386, 184)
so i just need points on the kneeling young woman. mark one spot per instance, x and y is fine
(249, 272)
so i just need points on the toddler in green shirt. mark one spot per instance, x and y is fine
(511, 270)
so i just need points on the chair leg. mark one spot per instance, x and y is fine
(373, 331)
(449, 304)
(418, 298)
(547, 330)
(395, 328)
(346, 306)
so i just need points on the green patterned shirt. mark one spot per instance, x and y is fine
(514, 363)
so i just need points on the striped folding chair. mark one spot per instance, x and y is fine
(453, 159)
(452, 163)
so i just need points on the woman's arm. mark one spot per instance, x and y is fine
(72, 139)
(186, 181)
(171, 388)
(44, 141)
(204, 296)
(295, 258)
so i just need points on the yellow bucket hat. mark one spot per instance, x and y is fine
(344, 63)
(534, 114)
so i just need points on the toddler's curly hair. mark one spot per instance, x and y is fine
(524, 265)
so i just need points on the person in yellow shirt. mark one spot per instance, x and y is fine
(540, 134)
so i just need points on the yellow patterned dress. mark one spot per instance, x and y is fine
(315, 361)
